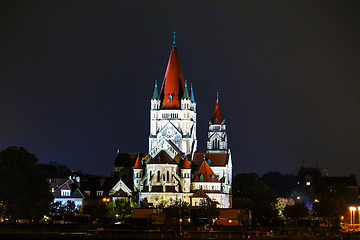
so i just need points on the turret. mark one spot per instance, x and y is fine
(185, 101)
(185, 175)
(217, 137)
(138, 174)
(155, 101)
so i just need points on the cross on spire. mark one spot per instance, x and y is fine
(217, 97)
(174, 36)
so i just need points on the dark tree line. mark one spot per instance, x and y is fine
(260, 193)
(24, 191)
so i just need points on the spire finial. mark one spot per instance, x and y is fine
(204, 157)
(155, 95)
(192, 94)
(174, 36)
(185, 83)
(217, 96)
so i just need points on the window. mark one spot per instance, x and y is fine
(65, 192)
(167, 176)
(170, 98)
(99, 193)
(215, 143)
(158, 176)
(201, 177)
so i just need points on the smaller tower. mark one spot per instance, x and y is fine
(185, 176)
(217, 137)
(155, 101)
(185, 101)
(138, 174)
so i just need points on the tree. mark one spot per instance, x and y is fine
(282, 184)
(96, 209)
(249, 191)
(123, 208)
(250, 185)
(296, 211)
(23, 186)
(330, 207)
(177, 209)
(206, 212)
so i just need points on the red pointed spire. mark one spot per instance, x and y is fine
(217, 117)
(173, 85)
(185, 164)
(138, 164)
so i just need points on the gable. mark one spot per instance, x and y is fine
(169, 131)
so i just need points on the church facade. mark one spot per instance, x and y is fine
(173, 169)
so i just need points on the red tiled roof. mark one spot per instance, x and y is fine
(217, 159)
(185, 164)
(138, 164)
(217, 117)
(207, 174)
(162, 157)
(173, 83)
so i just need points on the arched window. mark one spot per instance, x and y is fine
(170, 98)
(215, 143)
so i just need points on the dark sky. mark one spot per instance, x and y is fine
(76, 78)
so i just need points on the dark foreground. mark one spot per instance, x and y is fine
(75, 232)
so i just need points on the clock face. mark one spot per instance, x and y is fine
(169, 132)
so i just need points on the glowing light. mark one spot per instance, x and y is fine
(316, 200)
(352, 215)
(298, 197)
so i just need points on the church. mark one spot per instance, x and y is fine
(173, 169)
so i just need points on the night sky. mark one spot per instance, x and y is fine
(76, 79)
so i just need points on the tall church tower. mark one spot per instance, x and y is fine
(217, 137)
(173, 113)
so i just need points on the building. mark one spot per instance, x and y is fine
(69, 191)
(312, 177)
(173, 170)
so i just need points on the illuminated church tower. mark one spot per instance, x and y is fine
(217, 138)
(173, 113)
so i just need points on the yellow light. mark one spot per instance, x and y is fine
(316, 200)
(104, 199)
(230, 221)
(298, 197)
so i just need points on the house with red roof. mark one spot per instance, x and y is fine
(173, 169)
